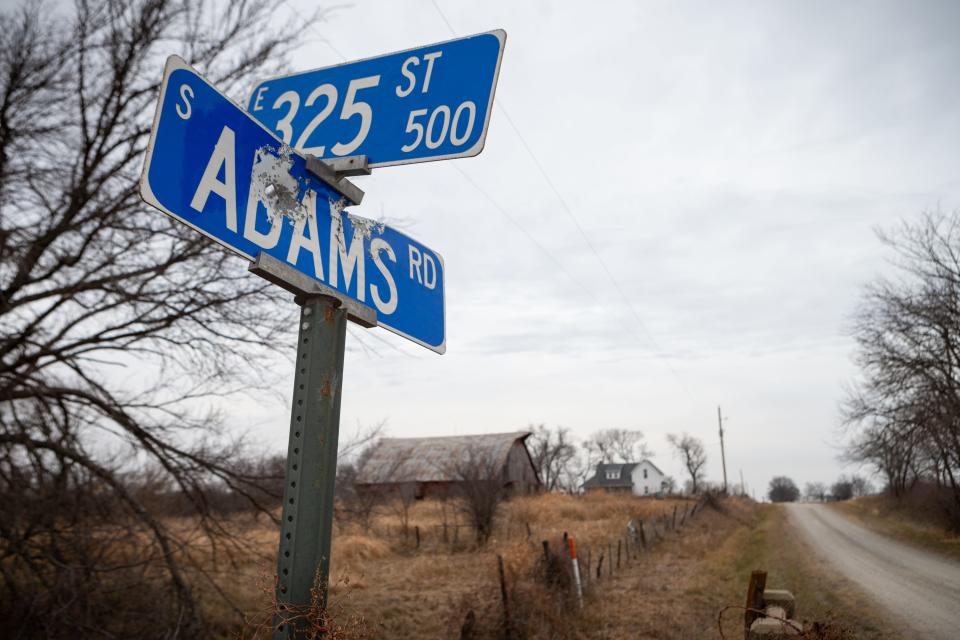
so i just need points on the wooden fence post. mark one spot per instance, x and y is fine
(610, 561)
(587, 576)
(626, 546)
(503, 594)
(758, 582)
(643, 536)
(674, 526)
(618, 553)
(599, 566)
(416, 530)
(546, 562)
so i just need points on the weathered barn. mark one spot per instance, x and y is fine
(435, 466)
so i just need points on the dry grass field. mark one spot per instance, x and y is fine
(383, 586)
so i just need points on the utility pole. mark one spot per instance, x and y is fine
(723, 456)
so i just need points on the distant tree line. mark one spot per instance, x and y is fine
(903, 414)
(565, 464)
(784, 489)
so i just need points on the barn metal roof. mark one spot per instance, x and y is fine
(431, 459)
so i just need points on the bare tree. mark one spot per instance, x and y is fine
(861, 486)
(896, 447)
(693, 454)
(815, 491)
(480, 488)
(119, 325)
(577, 471)
(904, 414)
(552, 452)
(616, 445)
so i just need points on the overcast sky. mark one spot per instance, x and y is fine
(726, 162)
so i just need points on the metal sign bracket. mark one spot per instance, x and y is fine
(334, 171)
(304, 287)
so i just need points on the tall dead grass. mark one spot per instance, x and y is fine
(383, 584)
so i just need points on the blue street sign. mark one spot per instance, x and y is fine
(430, 103)
(212, 166)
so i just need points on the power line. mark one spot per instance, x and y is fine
(569, 211)
(444, 17)
(322, 37)
(530, 236)
(648, 336)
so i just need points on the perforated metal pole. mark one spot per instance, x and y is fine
(303, 563)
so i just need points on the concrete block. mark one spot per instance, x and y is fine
(780, 598)
(778, 613)
(768, 628)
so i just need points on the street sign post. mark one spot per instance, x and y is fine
(428, 103)
(210, 165)
(279, 202)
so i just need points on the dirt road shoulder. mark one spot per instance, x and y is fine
(679, 591)
(879, 515)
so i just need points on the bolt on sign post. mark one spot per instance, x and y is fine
(218, 169)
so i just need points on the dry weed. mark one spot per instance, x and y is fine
(313, 621)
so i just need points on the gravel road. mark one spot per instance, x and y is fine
(920, 588)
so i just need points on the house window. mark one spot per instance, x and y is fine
(646, 490)
(613, 475)
(644, 474)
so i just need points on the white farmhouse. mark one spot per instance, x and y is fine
(640, 478)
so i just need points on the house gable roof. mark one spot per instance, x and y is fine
(599, 479)
(655, 467)
(396, 460)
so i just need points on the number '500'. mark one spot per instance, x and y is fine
(439, 124)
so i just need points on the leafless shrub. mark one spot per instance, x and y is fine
(404, 495)
(479, 482)
(353, 504)
(783, 489)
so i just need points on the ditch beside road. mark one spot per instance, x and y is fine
(920, 588)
